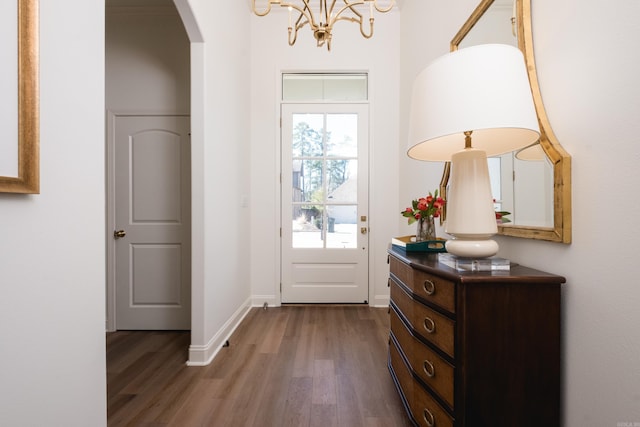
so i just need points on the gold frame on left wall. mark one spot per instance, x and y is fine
(28, 179)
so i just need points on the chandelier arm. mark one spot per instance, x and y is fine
(349, 6)
(381, 9)
(327, 11)
(300, 25)
(307, 12)
(266, 11)
(367, 36)
(303, 13)
(292, 41)
(361, 25)
(348, 18)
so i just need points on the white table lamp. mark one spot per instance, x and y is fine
(466, 105)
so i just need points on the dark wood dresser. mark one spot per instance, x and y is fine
(474, 349)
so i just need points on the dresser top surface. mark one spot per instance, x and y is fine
(429, 263)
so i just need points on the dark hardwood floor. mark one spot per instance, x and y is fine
(290, 366)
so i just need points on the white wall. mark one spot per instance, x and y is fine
(220, 172)
(147, 65)
(427, 29)
(271, 55)
(52, 274)
(588, 71)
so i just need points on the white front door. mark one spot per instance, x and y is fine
(325, 203)
(151, 175)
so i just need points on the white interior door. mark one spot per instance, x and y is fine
(325, 203)
(152, 218)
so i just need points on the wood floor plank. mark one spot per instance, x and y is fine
(323, 416)
(297, 366)
(303, 361)
(298, 406)
(349, 408)
(198, 404)
(274, 333)
(324, 383)
(272, 403)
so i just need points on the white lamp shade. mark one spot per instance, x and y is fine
(483, 89)
(532, 153)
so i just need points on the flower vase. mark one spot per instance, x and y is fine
(426, 229)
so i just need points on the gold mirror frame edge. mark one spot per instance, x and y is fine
(561, 160)
(28, 179)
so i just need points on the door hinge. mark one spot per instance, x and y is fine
(280, 122)
(280, 287)
(281, 232)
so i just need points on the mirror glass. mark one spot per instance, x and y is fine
(533, 183)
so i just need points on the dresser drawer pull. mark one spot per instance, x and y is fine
(429, 287)
(429, 369)
(429, 325)
(428, 417)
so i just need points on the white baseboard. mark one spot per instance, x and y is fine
(261, 300)
(380, 301)
(202, 355)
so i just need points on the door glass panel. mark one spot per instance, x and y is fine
(307, 181)
(307, 230)
(342, 226)
(308, 135)
(342, 181)
(324, 87)
(342, 135)
(325, 180)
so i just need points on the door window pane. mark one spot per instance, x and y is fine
(324, 87)
(342, 181)
(308, 181)
(307, 227)
(342, 226)
(342, 135)
(308, 135)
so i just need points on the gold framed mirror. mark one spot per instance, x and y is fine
(543, 170)
(20, 173)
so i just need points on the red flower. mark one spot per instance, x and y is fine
(430, 205)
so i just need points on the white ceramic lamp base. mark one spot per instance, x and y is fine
(472, 248)
(471, 219)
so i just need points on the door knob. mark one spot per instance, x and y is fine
(118, 234)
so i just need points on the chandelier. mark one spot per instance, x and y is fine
(327, 14)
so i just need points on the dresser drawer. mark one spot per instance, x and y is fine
(424, 409)
(425, 363)
(426, 322)
(433, 289)
(427, 412)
